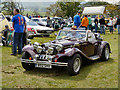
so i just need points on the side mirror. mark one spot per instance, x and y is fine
(55, 34)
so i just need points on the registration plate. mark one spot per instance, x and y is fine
(43, 66)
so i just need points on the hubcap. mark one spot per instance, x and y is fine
(77, 64)
(107, 53)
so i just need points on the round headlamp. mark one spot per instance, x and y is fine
(59, 47)
(50, 50)
(39, 49)
(35, 45)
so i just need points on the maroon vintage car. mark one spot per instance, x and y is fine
(70, 48)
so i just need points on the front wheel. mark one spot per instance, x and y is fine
(27, 66)
(74, 65)
(106, 53)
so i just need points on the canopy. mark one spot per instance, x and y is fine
(98, 10)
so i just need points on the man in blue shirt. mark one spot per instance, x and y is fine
(77, 20)
(19, 25)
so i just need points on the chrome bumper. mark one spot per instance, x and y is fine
(44, 62)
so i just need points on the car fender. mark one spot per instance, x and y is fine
(29, 49)
(103, 43)
(70, 52)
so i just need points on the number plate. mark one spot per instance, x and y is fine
(43, 66)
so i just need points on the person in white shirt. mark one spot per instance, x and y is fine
(111, 25)
(70, 20)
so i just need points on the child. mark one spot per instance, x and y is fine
(5, 33)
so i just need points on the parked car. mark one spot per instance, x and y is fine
(56, 18)
(30, 33)
(70, 48)
(3, 22)
(40, 30)
(27, 19)
(39, 21)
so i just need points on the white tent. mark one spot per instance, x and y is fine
(98, 10)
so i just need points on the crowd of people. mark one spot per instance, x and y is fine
(87, 23)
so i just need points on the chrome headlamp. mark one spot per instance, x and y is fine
(35, 45)
(59, 47)
(50, 50)
(39, 49)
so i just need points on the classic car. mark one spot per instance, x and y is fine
(69, 49)
(40, 30)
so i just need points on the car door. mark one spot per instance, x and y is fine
(92, 44)
(88, 47)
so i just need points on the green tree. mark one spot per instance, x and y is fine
(54, 10)
(70, 8)
(9, 6)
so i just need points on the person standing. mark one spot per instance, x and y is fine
(49, 22)
(114, 23)
(77, 20)
(30, 16)
(96, 24)
(102, 23)
(19, 25)
(70, 20)
(90, 24)
(118, 24)
(85, 22)
(110, 24)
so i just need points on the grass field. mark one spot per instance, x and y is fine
(96, 74)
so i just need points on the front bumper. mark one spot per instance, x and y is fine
(44, 62)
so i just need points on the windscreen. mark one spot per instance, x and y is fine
(32, 24)
(76, 34)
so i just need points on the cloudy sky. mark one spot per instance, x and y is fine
(110, 1)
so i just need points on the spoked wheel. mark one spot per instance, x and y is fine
(74, 65)
(106, 53)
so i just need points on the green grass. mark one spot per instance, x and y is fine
(96, 74)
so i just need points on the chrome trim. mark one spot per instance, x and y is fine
(44, 62)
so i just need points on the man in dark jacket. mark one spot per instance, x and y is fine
(96, 24)
(102, 23)
(118, 24)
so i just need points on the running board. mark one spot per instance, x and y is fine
(94, 57)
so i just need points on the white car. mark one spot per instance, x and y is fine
(40, 30)
(40, 21)
(27, 19)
